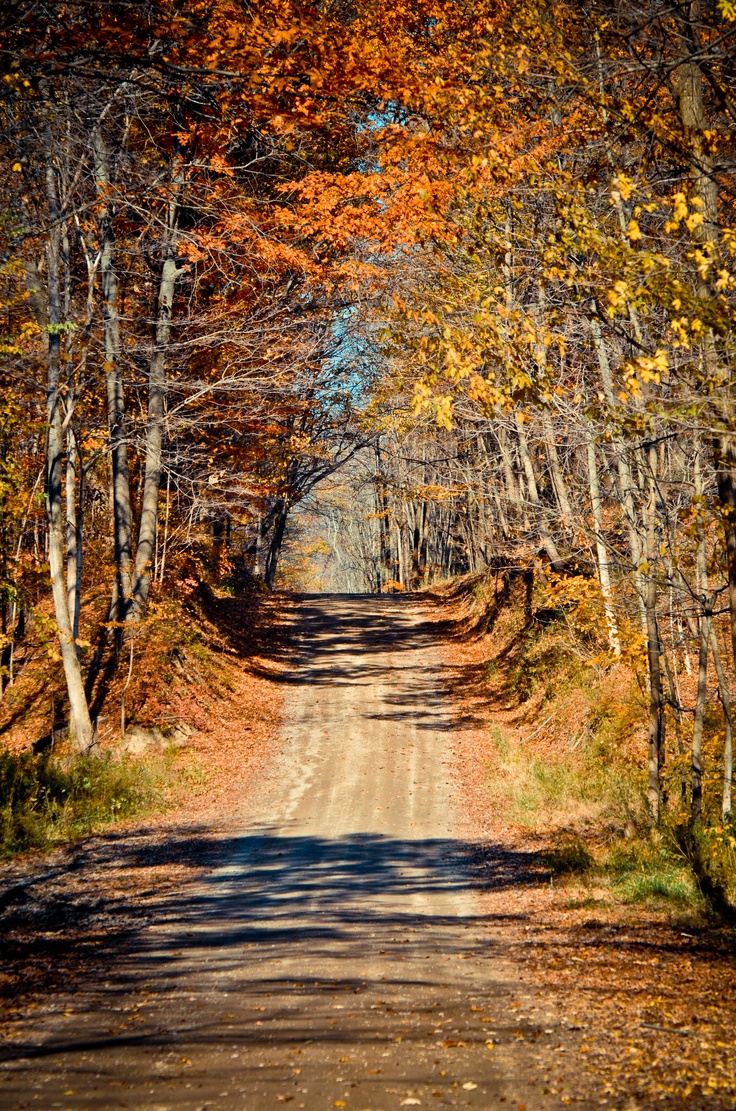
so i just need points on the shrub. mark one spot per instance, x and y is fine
(43, 799)
(711, 853)
(569, 856)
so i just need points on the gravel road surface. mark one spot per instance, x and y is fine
(340, 958)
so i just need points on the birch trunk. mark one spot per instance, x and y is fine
(80, 725)
(74, 530)
(604, 567)
(122, 512)
(154, 439)
(654, 654)
(727, 800)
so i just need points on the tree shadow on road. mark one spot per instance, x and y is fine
(93, 905)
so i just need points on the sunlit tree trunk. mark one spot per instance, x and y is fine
(154, 437)
(604, 567)
(122, 511)
(80, 725)
(74, 529)
(654, 651)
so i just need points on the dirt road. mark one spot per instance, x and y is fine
(340, 957)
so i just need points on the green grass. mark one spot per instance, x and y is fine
(643, 872)
(674, 887)
(46, 800)
(552, 792)
(632, 874)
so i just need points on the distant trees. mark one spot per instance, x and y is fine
(563, 306)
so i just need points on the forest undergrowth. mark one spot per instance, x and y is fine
(564, 744)
(194, 697)
(621, 927)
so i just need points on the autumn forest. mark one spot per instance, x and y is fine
(472, 264)
(430, 303)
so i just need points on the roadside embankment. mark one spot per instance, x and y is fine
(611, 921)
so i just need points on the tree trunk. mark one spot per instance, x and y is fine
(625, 478)
(558, 479)
(654, 653)
(604, 567)
(656, 704)
(728, 720)
(695, 122)
(165, 545)
(512, 490)
(696, 766)
(154, 439)
(122, 511)
(274, 548)
(74, 529)
(80, 725)
(384, 526)
(704, 629)
(725, 454)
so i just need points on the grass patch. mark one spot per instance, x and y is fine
(676, 887)
(556, 790)
(631, 874)
(643, 872)
(46, 800)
